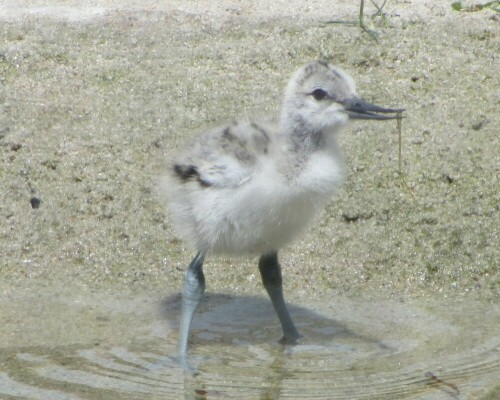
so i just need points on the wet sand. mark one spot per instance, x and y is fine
(94, 97)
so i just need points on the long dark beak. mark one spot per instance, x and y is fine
(358, 108)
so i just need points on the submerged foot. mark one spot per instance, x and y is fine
(291, 339)
(186, 367)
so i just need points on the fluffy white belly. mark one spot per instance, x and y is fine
(262, 215)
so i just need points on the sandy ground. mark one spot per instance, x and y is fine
(94, 94)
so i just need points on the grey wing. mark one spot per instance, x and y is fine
(224, 157)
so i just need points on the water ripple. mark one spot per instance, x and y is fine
(404, 352)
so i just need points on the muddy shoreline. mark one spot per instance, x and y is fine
(90, 107)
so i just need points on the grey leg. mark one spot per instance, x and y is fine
(270, 271)
(194, 287)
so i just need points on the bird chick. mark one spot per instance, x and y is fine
(251, 186)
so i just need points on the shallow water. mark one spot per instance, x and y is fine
(98, 346)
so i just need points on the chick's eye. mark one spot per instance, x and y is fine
(319, 94)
